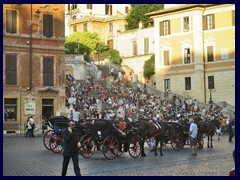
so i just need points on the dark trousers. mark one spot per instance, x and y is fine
(231, 134)
(75, 164)
(31, 133)
(27, 133)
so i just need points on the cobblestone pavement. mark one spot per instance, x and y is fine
(28, 157)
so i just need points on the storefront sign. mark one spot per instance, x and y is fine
(30, 105)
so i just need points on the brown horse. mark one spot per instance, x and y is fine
(207, 128)
(147, 131)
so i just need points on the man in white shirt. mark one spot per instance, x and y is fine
(76, 115)
(193, 130)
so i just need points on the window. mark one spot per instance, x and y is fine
(186, 55)
(10, 109)
(74, 6)
(89, 6)
(11, 21)
(224, 53)
(48, 71)
(164, 28)
(208, 22)
(47, 108)
(69, 7)
(74, 28)
(110, 26)
(11, 69)
(110, 43)
(166, 58)
(74, 17)
(146, 46)
(47, 25)
(167, 85)
(186, 24)
(134, 46)
(126, 10)
(233, 17)
(85, 27)
(210, 53)
(211, 82)
(188, 83)
(108, 9)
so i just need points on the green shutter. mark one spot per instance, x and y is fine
(161, 28)
(11, 70)
(48, 72)
(169, 28)
(47, 25)
(233, 17)
(213, 21)
(11, 21)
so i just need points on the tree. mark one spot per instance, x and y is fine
(114, 56)
(138, 12)
(149, 67)
(80, 43)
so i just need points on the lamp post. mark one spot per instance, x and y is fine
(31, 24)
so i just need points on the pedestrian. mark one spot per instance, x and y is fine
(32, 125)
(76, 116)
(230, 129)
(71, 147)
(44, 124)
(28, 127)
(193, 130)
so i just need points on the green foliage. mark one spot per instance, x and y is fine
(137, 14)
(149, 67)
(82, 42)
(114, 56)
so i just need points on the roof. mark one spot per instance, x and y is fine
(179, 8)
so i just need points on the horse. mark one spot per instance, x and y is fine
(149, 130)
(207, 128)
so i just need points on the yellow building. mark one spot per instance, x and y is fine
(195, 51)
(33, 63)
(104, 19)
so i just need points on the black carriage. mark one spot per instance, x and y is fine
(53, 139)
(104, 135)
(174, 135)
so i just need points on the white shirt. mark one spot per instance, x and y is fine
(193, 129)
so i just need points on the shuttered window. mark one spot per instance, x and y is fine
(134, 46)
(11, 21)
(11, 70)
(48, 72)
(146, 46)
(47, 25)
(186, 24)
(210, 53)
(110, 43)
(211, 82)
(186, 55)
(89, 6)
(233, 17)
(166, 58)
(164, 28)
(188, 83)
(108, 9)
(85, 27)
(208, 22)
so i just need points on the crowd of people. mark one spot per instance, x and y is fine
(94, 101)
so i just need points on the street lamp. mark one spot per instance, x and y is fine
(210, 88)
(31, 24)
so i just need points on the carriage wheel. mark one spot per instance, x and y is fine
(46, 139)
(56, 143)
(88, 146)
(110, 147)
(134, 147)
(177, 142)
(200, 142)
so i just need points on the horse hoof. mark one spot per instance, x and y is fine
(143, 155)
(156, 154)
(161, 155)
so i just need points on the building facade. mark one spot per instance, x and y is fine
(135, 47)
(195, 51)
(104, 19)
(33, 63)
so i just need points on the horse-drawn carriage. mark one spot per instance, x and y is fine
(105, 136)
(53, 139)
